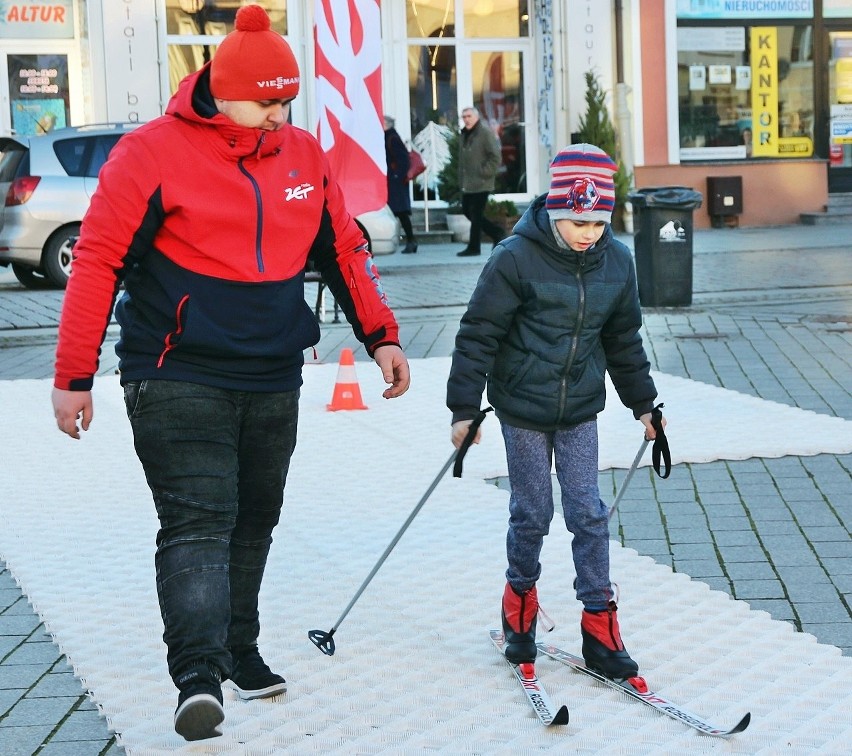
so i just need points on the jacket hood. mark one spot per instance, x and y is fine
(535, 226)
(193, 102)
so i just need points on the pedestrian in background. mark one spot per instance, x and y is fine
(555, 308)
(479, 160)
(396, 154)
(207, 216)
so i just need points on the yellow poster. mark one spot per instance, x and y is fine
(764, 100)
(764, 91)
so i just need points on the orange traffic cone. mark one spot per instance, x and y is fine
(347, 393)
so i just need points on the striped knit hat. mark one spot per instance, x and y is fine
(582, 187)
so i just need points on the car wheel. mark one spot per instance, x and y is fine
(32, 278)
(56, 259)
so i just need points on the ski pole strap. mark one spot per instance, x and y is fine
(661, 443)
(468, 440)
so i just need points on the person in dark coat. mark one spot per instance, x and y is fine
(398, 200)
(556, 308)
(479, 161)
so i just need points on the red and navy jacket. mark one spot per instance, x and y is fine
(209, 226)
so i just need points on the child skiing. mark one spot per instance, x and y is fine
(555, 308)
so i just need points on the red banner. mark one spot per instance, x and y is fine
(350, 128)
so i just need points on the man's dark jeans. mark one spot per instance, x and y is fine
(216, 461)
(473, 207)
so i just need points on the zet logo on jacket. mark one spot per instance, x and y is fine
(299, 192)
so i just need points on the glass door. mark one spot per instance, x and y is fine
(480, 53)
(497, 84)
(840, 111)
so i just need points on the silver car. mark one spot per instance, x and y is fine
(48, 182)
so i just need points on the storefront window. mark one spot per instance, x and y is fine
(745, 92)
(184, 59)
(444, 34)
(431, 18)
(39, 95)
(432, 85)
(216, 17)
(192, 20)
(496, 18)
(498, 94)
(840, 100)
(492, 19)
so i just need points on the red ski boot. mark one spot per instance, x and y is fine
(519, 618)
(603, 649)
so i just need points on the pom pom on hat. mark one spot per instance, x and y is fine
(253, 62)
(252, 18)
(582, 187)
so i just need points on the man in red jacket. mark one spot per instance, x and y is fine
(208, 216)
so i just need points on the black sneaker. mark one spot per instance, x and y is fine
(199, 711)
(251, 677)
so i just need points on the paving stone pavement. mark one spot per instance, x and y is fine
(771, 317)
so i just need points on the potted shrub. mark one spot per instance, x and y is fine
(504, 213)
(596, 128)
(448, 178)
(448, 182)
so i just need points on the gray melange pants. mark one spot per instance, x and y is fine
(530, 455)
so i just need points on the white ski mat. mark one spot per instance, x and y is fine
(414, 671)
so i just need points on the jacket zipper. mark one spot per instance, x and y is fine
(575, 339)
(258, 252)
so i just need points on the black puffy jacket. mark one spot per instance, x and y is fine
(543, 327)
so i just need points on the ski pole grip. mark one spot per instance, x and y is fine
(660, 448)
(468, 440)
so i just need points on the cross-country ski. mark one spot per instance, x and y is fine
(544, 708)
(639, 690)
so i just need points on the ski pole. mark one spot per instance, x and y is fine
(629, 475)
(325, 641)
(661, 449)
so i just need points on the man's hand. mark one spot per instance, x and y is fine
(70, 406)
(394, 366)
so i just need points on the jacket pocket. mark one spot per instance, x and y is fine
(519, 374)
(367, 293)
(133, 395)
(174, 337)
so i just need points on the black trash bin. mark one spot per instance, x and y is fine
(662, 238)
